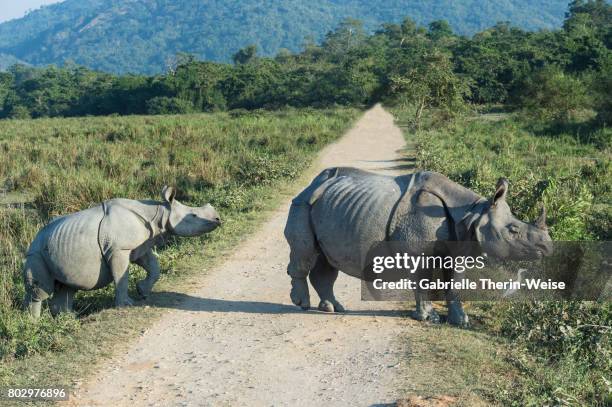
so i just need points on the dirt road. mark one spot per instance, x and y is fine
(237, 339)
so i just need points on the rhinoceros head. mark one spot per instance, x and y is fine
(185, 220)
(503, 235)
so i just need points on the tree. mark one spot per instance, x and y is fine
(253, 85)
(553, 95)
(199, 83)
(245, 55)
(6, 84)
(601, 89)
(589, 15)
(439, 29)
(430, 83)
(349, 35)
(402, 34)
(166, 105)
(588, 34)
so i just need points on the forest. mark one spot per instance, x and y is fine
(143, 36)
(550, 74)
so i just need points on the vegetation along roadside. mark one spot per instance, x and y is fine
(240, 162)
(539, 353)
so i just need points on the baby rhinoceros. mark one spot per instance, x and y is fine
(90, 249)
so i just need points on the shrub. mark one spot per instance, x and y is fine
(263, 170)
(21, 336)
(20, 112)
(167, 105)
(579, 330)
(567, 352)
(550, 94)
(601, 87)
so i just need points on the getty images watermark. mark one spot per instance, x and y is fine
(569, 270)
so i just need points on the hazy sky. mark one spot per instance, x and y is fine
(10, 9)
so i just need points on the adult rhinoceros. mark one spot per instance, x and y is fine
(346, 211)
(92, 248)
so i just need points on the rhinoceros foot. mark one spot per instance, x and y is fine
(456, 316)
(125, 302)
(330, 306)
(299, 293)
(143, 289)
(430, 315)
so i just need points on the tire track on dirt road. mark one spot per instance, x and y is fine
(238, 340)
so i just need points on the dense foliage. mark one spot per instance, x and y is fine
(554, 76)
(143, 36)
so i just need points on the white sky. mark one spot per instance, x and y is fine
(10, 9)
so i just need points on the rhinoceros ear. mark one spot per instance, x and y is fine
(500, 191)
(168, 194)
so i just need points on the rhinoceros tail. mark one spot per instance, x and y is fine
(104, 239)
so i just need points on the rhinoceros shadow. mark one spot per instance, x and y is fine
(186, 302)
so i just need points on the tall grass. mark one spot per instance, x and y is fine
(232, 160)
(562, 350)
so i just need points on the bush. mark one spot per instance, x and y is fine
(20, 112)
(22, 336)
(563, 329)
(567, 352)
(550, 95)
(263, 170)
(601, 87)
(166, 105)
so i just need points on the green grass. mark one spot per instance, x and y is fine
(552, 353)
(445, 360)
(241, 163)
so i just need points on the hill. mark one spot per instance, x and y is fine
(143, 36)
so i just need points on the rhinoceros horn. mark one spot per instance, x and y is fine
(541, 221)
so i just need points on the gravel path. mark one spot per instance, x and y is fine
(237, 339)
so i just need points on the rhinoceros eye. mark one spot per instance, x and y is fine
(514, 229)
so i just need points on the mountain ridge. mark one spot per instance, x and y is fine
(142, 36)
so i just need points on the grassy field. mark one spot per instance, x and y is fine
(539, 353)
(239, 162)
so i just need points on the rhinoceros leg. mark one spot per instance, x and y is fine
(148, 262)
(62, 299)
(39, 284)
(323, 276)
(303, 255)
(118, 262)
(456, 316)
(424, 307)
(429, 223)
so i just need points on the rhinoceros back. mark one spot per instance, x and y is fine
(352, 215)
(69, 246)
